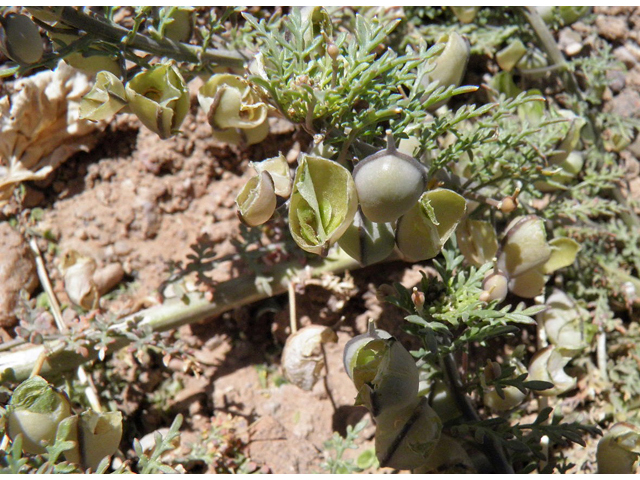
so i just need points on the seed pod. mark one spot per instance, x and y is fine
(509, 56)
(447, 457)
(442, 401)
(159, 98)
(180, 25)
(548, 365)
(477, 241)
(389, 183)
(451, 63)
(234, 110)
(256, 201)
(96, 436)
(564, 324)
(423, 231)
(20, 39)
(619, 449)
(35, 411)
(302, 359)
(78, 271)
(465, 14)
(366, 241)
(524, 246)
(106, 98)
(278, 168)
(528, 284)
(322, 205)
(510, 396)
(405, 439)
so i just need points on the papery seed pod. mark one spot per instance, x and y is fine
(96, 436)
(465, 14)
(159, 98)
(302, 359)
(509, 397)
(106, 98)
(77, 271)
(570, 141)
(451, 63)
(619, 449)
(94, 62)
(509, 56)
(315, 20)
(443, 402)
(20, 39)
(389, 183)
(366, 241)
(477, 241)
(548, 365)
(405, 439)
(234, 110)
(564, 324)
(35, 411)
(563, 253)
(524, 246)
(278, 168)
(179, 27)
(256, 201)
(322, 205)
(528, 284)
(422, 232)
(447, 457)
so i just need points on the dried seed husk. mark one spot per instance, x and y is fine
(278, 168)
(106, 98)
(302, 359)
(548, 365)
(323, 203)
(78, 271)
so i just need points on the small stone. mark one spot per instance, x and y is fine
(612, 28)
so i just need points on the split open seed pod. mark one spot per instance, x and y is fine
(159, 98)
(234, 110)
(566, 324)
(524, 247)
(35, 411)
(96, 436)
(106, 98)
(389, 183)
(256, 201)
(405, 439)
(477, 241)
(451, 63)
(366, 241)
(322, 205)
(548, 365)
(278, 168)
(302, 359)
(619, 449)
(423, 231)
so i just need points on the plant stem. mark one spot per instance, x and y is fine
(171, 314)
(164, 47)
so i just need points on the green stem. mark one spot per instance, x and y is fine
(163, 47)
(171, 314)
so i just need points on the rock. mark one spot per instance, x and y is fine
(612, 28)
(17, 270)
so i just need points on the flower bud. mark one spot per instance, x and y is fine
(477, 241)
(302, 359)
(619, 449)
(96, 436)
(547, 365)
(322, 205)
(35, 411)
(422, 232)
(159, 98)
(234, 110)
(533, 62)
(366, 241)
(389, 183)
(256, 201)
(508, 57)
(20, 39)
(106, 98)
